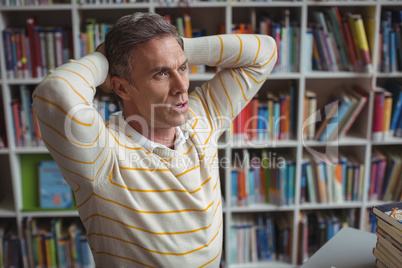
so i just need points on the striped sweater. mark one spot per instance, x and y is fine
(159, 207)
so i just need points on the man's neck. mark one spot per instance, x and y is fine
(164, 136)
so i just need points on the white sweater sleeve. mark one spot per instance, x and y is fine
(71, 129)
(246, 62)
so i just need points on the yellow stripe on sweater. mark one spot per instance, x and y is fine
(70, 140)
(66, 113)
(71, 86)
(85, 67)
(72, 159)
(227, 95)
(144, 230)
(160, 252)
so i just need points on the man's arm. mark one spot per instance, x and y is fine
(71, 129)
(247, 60)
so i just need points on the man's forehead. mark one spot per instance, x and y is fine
(155, 54)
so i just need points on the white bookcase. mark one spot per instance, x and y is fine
(208, 15)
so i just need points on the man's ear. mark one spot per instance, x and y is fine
(121, 87)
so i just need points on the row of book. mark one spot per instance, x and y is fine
(261, 179)
(25, 123)
(10, 249)
(94, 32)
(390, 42)
(92, 36)
(317, 227)
(261, 238)
(337, 42)
(388, 249)
(385, 181)
(33, 51)
(8, 3)
(268, 236)
(267, 118)
(287, 36)
(56, 242)
(387, 118)
(334, 120)
(185, 29)
(331, 178)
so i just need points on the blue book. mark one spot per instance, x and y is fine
(303, 183)
(8, 55)
(386, 52)
(291, 178)
(285, 184)
(261, 237)
(292, 110)
(333, 124)
(271, 251)
(54, 190)
(262, 123)
(277, 121)
(396, 90)
(310, 183)
(398, 128)
(392, 51)
(233, 200)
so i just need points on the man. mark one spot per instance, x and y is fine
(147, 183)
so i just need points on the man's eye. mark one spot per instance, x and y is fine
(183, 68)
(161, 73)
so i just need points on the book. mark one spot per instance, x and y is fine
(388, 248)
(390, 212)
(360, 98)
(362, 41)
(311, 114)
(379, 254)
(54, 190)
(378, 114)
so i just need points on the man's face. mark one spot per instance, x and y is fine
(159, 91)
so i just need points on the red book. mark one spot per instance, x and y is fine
(253, 124)
(36, 127)
(58, 44)
(283, 124)
(18, 46)
(378, 114)
(373, 175)
(241, 190)
(350, 47)
(17, 122)
(24, 55)
(244, 121)
(33, 46)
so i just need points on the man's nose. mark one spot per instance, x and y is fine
(179, 83)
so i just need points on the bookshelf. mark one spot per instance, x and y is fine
(17, 163)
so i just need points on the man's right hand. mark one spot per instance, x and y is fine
(107, 85)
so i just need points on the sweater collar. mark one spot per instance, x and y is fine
(181, 135)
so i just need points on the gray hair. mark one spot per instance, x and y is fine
(131, 31)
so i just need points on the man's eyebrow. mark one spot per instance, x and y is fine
(165, 68)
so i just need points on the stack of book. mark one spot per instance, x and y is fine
(388, 249)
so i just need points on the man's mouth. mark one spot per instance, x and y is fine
(181, 107)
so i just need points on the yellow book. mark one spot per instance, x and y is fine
(362, 41)
(271, 117)
(354, 37)
(188, 32)
(386, 122)
(90, 31)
